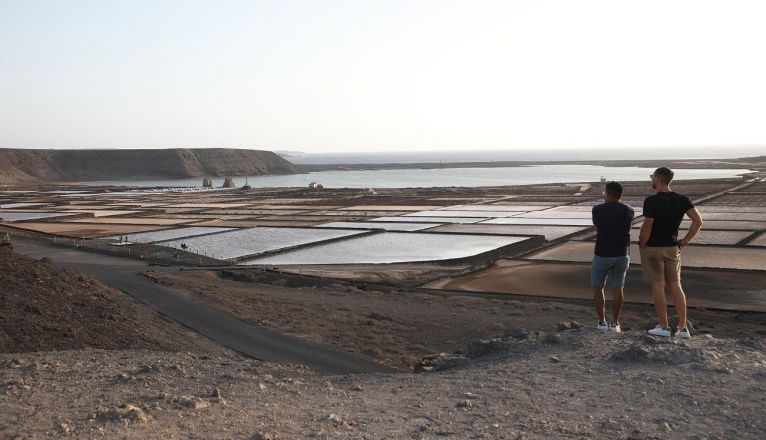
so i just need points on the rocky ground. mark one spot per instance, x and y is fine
(90, 362)
(569, 384)
(398, 325)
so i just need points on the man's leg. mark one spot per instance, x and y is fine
(658, 296)
(599, 301)
(654, 272)
(616, 284)
(598, 273)
(617, 299)
(679, 301)
(673, 279)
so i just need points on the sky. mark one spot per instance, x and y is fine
(389, 75)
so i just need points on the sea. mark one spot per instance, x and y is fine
(439, 177)
(447, 176)
(526, 155)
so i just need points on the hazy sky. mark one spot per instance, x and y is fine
(382, 75)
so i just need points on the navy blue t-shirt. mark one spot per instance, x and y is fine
(612, 220)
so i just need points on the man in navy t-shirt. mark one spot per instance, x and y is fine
(611, 257)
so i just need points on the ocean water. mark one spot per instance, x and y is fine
(540, 154)
(442, 177)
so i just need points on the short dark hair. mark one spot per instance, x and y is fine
(665, 174)
(614, 188)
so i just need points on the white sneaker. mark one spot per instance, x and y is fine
(660, 331)
(682, 333)
(614, 327)
(603, 326)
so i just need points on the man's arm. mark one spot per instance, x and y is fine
(693, 229)
(646, 231)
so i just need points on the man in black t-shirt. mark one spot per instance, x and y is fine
(611, 257)
(661, 248)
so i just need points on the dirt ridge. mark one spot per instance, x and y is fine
(33, 165)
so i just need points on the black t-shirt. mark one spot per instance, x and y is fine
(667, 209)
(612, 220)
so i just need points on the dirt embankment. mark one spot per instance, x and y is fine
(22, 165)
(44, 307)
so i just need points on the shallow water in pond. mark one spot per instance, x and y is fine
(392, 247)
(253, 241)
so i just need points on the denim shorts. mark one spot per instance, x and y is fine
(609, 271)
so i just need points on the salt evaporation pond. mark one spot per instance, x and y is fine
(758, 241)
(390, 226)
(728, 208)
(735, 216)
(541, 221)
(739, 225)
(556, 214)
(253, 241)
(465, 213)
(706, 236)
(168, 234)
(392, 247)
(21, 205)
(429, 219)
(496, 207)
(743, 258)
(17, 216)
(549, 232)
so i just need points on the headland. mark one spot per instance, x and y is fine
(40, 166)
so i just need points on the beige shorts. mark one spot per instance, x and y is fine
(661, 263)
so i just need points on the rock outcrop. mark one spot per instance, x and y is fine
(22, 165)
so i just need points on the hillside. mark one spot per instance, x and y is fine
(22, 165)
(80, 360)
(574, 384)
(45, 307)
